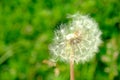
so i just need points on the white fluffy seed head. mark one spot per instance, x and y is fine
(81, 35)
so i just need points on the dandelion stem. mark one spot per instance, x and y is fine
(71, 60)
(71, 69)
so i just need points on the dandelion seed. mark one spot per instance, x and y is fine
(81, 35)
(62, 31)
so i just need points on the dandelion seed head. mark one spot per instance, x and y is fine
(81, 35)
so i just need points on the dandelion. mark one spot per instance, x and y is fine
(76, 41)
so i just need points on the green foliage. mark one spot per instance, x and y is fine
(26, 30)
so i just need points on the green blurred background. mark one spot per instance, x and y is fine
(27, 28)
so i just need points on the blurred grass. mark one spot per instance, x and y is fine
(27, 28)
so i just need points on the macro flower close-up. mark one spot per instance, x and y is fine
(59, 39)
(78, 40)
